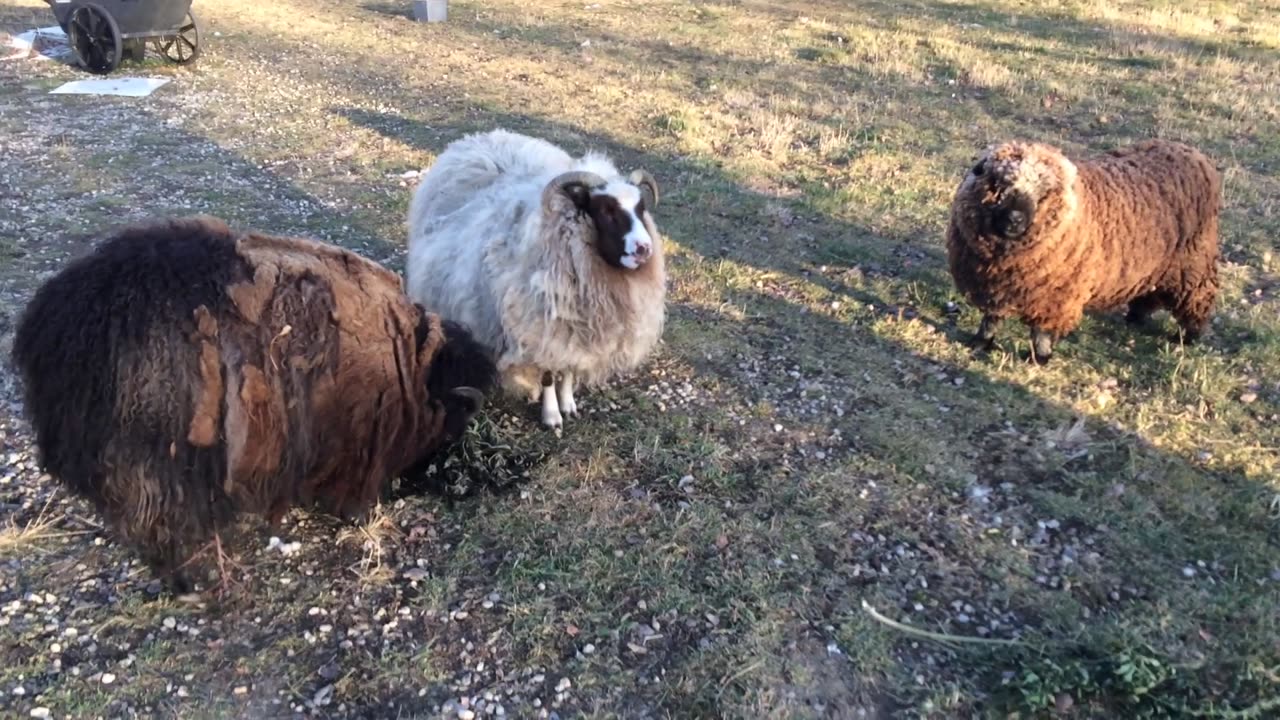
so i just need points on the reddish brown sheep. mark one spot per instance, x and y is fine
(1039, 236)
(182, 373)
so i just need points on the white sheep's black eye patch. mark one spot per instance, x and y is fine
(613, 223)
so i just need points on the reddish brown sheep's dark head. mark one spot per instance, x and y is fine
(1008, 213)
(1008, 190)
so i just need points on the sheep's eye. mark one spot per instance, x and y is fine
(979, 169)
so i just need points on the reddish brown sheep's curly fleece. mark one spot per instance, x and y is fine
(1137, 225)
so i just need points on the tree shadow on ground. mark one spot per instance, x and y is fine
(402, 9)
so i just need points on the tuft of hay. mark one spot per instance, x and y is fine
(481, 460)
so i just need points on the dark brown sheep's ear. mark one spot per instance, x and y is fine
(472, 399)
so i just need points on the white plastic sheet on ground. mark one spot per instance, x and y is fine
(127, 86)
(49, 43)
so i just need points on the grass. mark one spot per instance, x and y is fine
(813, 439)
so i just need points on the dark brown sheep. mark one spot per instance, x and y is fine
(182, 373)
(1039, 236)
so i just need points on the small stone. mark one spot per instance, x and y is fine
(40, 712)
(777, 427)
(1248, 397)
(170, 623)
(588, 649)
(241, 690)
(108, 678)
(1189, 571)
(563, 685)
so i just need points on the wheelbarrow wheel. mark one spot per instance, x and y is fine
(95, 37)
(182, 47)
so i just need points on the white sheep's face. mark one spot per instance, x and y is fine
(623, 239)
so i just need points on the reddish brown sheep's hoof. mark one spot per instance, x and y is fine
(1189, 336)
(982, 344)
(1041, 347)
(985, 338)
(1136, 318)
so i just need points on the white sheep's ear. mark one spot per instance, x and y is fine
(642, 179)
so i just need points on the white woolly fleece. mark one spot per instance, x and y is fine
(533, 288)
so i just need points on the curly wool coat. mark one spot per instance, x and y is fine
(1036, 235)
(181, 373)
(492, 248)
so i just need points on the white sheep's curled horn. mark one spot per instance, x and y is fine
(564, 180)
(647, 184)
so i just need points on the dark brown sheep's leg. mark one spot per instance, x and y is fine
(985, 338)
(1041, 345)
(1141, 307)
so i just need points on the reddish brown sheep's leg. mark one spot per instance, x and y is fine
(1041, 345)
(1192, 313)
(985, 338)
(1047, 331)
(1193, 305)
(1141, 307)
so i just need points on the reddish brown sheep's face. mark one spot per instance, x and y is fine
(1004, 211)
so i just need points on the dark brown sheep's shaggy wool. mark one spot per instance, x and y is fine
(1036, 235)
(181, 374)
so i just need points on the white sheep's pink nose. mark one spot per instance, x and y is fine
(643, 251)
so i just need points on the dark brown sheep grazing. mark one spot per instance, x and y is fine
(182, 373)
(1039, 236)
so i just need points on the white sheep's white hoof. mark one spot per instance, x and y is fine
(568, 405)
(551, 416)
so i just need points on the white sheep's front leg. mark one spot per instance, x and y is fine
(568, 405)
(550, 409)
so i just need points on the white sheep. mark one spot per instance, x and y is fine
(554, 262)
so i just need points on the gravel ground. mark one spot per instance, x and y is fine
(810, 477)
